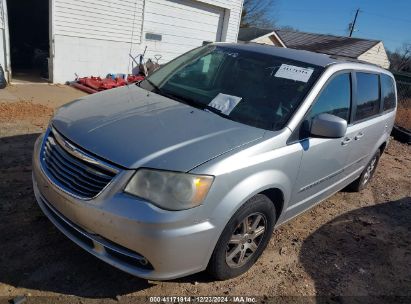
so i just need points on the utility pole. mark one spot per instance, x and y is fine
(352, 25)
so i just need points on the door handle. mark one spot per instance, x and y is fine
(358, 136)
(346, 141)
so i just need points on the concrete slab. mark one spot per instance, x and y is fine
(47, 94)
(6, 96)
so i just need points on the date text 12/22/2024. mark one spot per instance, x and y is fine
(202, 299)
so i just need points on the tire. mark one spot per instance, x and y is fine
(235, 241)
(401, 134)
(366, 175)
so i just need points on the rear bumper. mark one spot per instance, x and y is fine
(127, 233)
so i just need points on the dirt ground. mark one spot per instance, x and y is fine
(403, 118)
(353, 244)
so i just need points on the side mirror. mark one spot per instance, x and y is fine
(328, 126)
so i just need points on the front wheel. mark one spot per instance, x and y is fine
(243, 239)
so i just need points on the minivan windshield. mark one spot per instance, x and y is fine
(252, 88)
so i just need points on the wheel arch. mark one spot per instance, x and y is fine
(382, 147)
(276, 196)
(244, 190)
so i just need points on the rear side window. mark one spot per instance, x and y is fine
(368, 96)
(388, 92)
(335, 99)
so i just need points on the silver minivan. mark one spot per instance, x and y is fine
(194, 167)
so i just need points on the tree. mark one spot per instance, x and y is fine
(258, 13)
(289, 28)
(401, 58)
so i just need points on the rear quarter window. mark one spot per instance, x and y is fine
(388, 92)
(368, 96)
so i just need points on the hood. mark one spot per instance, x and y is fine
(135, 128)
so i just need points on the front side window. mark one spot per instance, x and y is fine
(388, 92)
(335, 99)
(266, 89)
(368, 96)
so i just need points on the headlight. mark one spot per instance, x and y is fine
(170, 190)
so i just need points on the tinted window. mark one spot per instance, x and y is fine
(335, 99)
(269, 88)
(388, 92)
(199, 74)
(368, 96)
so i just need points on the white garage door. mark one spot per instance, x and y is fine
(182, 24)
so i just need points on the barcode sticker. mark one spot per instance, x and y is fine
(294, 73)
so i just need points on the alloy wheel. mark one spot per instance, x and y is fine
(369, 171)
(245, 240)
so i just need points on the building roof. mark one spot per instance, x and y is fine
(250, 33)
(320, 43)
(327, 44)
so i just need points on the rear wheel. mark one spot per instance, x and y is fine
(366, 175)
(243, 239)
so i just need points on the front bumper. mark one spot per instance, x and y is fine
(128, 233)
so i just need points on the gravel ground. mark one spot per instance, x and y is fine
(352, 244)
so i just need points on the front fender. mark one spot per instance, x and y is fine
(249, 187)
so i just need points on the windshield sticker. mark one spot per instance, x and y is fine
(225, 103)
(294, 73)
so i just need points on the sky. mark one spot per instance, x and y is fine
(387, 20)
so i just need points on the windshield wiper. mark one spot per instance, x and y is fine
(196, 104)
(215, 111)
(171, 95)
(153, 85)
(183, 99)
(186, 100)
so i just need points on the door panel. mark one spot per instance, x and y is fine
(321, 170)
(323, 159)
(365, 136)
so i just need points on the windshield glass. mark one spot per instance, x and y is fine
(256, 89)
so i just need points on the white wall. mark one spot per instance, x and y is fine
(111, 20)
(3, 46)
(94, 37)
(235, 8)
(87, 57)
(269, 39)
(2, 50)
(183, 25)
(376, 55)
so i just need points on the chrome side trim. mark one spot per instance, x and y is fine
(69, 148)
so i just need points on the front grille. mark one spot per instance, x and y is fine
(73, 170)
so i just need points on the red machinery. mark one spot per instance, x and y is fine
(96, 84)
